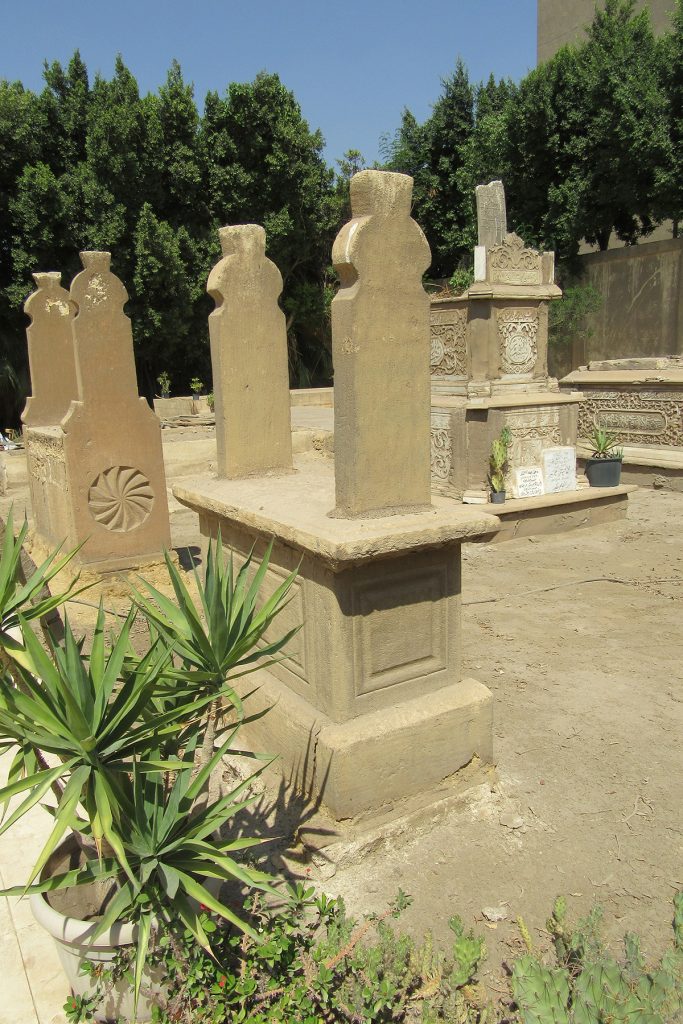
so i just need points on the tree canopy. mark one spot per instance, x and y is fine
(588, 145)
(93, 165)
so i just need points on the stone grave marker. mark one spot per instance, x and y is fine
(559, 469)
(528, 482)
(381, 352)
(96, 472)
(491, 214)
(51, 356)
(249, 357)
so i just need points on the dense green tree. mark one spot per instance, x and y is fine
(22, 131)
(625, 137)
(265, 166)
(670, 50)
(433, 154)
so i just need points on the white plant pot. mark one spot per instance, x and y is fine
(74, 941)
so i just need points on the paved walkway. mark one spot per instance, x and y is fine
(33, 987)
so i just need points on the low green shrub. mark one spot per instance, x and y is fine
(314, 964)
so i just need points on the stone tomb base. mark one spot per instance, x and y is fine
(537, 420)
(368, 706)
(641, 401)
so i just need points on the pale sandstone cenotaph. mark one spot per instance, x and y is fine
(369, 705)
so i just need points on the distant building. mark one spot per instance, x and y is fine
(565, 21)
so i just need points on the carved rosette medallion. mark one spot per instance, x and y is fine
(441, 448)
(512, 263)
(641, 418)
(448, 334)
(120, 499)
(518, 334)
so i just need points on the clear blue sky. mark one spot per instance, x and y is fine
(353, 66)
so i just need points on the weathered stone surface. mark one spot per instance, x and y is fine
(380, 344)
(97, 477)
(491, 214)
(375, 672)
(296, 508)
(249, 357)
(51, 357)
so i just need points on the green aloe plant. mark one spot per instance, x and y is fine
(223, 637)
(604, 445)
(171, 851)
(30, 597)
(91, 719)
(121, 734)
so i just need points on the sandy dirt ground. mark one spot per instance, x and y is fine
(579, 637)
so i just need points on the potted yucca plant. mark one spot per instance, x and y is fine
(603, 468)
(498, 461)
(118, 739)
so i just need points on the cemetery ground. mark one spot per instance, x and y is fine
(585, 799)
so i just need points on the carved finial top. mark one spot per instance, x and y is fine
(243, 240)
(96, 288)
(47, 280)
(50, 299)
(244, 260)
(381, 194)
(93, 260)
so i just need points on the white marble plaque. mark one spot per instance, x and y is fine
(559, 469)
(528, 482)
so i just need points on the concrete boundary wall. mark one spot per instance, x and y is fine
(641, 312)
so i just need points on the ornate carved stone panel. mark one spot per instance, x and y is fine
(120, 499)
(441, 448)
(448, 343)
(639, 418)
(518, 338)
(532, 431)
(512, 263)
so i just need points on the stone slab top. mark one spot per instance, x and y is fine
(52, 430)
(672, 362)
(520, 400)
(593, 495)
(673, 376)
(295, 507)
(516, 292)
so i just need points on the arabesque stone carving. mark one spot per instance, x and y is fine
(640, 418)
(518, 332)
(512, 263)
(448, 351)
(441, 448)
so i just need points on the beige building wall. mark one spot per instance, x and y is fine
(565, 21)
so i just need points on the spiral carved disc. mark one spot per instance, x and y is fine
(121, 498)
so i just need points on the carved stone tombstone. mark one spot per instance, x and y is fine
(51, 357)
(373, 679)
(500, 377)
(491, 214)
(249, 357)
(97, 474)
(380, 347)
